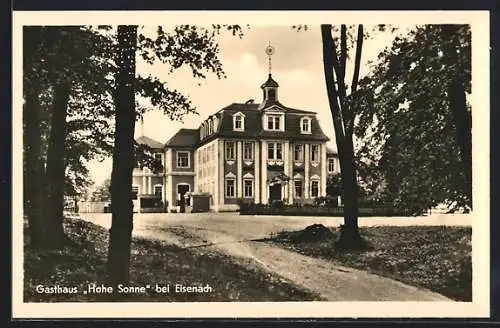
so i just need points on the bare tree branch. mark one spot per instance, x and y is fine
(329, 58)
(355, 76)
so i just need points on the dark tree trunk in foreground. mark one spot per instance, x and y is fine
(350, 234)
(34, 167)
(32, 139)
(343, 120)
(458, 106)
(123, 158)
(56, 167)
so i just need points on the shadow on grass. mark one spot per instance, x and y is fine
(437, 258)
(152, 262)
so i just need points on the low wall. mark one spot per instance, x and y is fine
(91, 207)
(318, 211)
(153, 210)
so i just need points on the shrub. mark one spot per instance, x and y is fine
(277, 204)
(325, 201)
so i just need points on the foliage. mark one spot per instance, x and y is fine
(334, 185)
(409, 155)
(326, 201)
(72, 53)
(144, 157)
(103, 192)
(437, 258)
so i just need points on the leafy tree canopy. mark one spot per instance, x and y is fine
(408, 147)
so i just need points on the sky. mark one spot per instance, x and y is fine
(297, 66)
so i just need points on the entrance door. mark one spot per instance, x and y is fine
(275, 192)
(181, 191)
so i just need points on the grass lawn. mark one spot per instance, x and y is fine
(152, 262)
(437, 258)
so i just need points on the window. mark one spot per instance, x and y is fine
(158, 161)
(298, 188)
(315, 153)
(230, 188)
(270, 150)
(135, 192)
(248, 151)
(297, 153)
(315, 188)
(274, 150)
(305, 125)
(273, 122)
(278, 151)
(248, 188)
(216, 123)
(331, 165)
(230, 150)
(183, 159)
(238, 122)
(271, 94)
(159, 191)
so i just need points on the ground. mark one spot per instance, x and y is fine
(240, 237)
(154, 266)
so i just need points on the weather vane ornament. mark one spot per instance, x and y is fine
(269, 53)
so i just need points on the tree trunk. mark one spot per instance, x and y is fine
(34, 167)
(123, 159)
(458, 106)
(32, 138)
(56, 167)
(463, 126)
(349, 237)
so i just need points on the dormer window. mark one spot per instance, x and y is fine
(216, 123)
(239, 122)
(273, 122)
(305, 125)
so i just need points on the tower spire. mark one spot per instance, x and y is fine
(269, 53)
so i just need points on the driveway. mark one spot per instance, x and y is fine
(236, 235)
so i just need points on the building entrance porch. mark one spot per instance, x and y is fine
(275, 192)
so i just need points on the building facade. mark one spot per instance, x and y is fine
(254, 152)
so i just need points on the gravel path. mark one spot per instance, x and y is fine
(236, 236)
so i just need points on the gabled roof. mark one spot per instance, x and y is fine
(143, 140)
(185, 138)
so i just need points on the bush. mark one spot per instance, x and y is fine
(277, 204)
(278, 208)
(326, 201)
